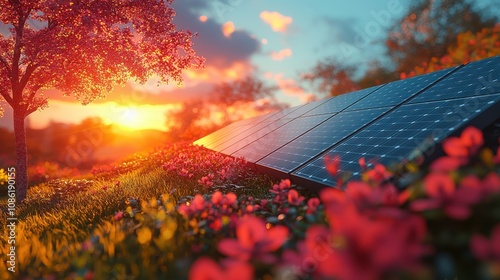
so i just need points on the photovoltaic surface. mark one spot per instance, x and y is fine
(397, 135)
(284, 134)
(339, 103)
(387, 124)
(315, 141)
(474, 79)
(396, 92)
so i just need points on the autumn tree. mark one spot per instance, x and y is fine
(228, 102)
(469, 46)
(331, 77)
(430, 28)
(83, 48)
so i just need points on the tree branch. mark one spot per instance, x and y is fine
(27, 75)
(8, 99)
(17, 94)
(6, 65)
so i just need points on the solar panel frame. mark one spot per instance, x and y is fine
(314, 171)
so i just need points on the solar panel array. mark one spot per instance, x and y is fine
(388, 124)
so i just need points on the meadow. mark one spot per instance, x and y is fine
(185, 212)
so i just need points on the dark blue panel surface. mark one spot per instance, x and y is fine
(272, 141)
(474, 79)
(339, 103)
(397, 92)
(317, 140)
(398, 134)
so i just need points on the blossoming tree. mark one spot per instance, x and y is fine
(83, 48)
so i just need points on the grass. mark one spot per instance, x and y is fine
(61, 214)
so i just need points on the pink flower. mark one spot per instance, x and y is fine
(441, 191)
(220, 199)
(485, 249)
(253, 240)
(378, 174)
(205, 268)
(312, 205)
(332, 164)
(446, 164)
(282, 186)
(466, 145)
(118, 216)
(294, 198)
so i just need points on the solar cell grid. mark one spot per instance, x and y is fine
(315, 141)
(284, 134)
(397, 92)
(474, 79)
(339, 103)
(251, 135)
(305, 108)
(396, 135)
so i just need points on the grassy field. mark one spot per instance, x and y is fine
(184, 212)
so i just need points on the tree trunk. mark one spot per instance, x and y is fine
(21, 156)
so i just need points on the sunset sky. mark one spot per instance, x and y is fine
(275, 40)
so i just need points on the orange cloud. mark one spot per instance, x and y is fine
(290, 87)
(228, 28)
(282, 54)
(277, 21)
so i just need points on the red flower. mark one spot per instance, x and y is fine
(446, 164)
(485, 249)
(254, 240)
(312, 205)
(378, 174)
(282, 186)
(205, 268)
(294, 198)
(466, 145)
(442, 193)
(332, 164)
(118, 216)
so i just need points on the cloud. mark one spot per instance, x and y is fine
(228, 28)
(282, 54)
(277, 21)
(339, 30)
(290, 87)
(219, 50)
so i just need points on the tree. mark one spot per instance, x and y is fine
(468, 47)
(241, 92)
(83, 48)
(229, 102)
(331, 77)
(429, 28)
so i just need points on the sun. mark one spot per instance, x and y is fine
(130, 118)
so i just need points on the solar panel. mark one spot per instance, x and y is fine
(395, 136)
(387, 124)
(250, 136)
(476, 78)
(397, 92)
(224, 134)
(315, 141)
(284, 134)
(339, 103)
